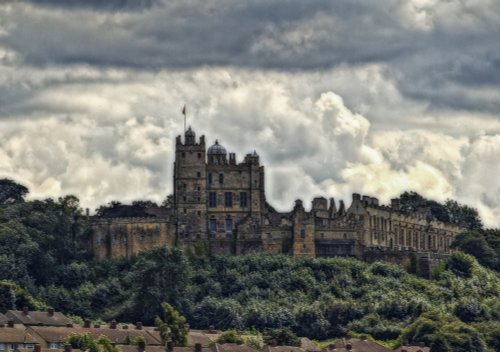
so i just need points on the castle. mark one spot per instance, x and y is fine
(219, 206)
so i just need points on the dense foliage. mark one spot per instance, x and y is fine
(43, 262)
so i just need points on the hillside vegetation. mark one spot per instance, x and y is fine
(43, 263)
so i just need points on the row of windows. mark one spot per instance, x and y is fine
(228, 225)
(15, 346)
(228, 199)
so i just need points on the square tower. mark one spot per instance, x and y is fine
(190, 201)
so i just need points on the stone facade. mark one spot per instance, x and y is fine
(220, 205)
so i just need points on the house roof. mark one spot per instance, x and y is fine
(38, 318)
(13, 335)
(357, 345)
(199, 336)
(286, 349)
(232, 347)
(308, 345)
(119, 336)
(412, 349)
(3, 319)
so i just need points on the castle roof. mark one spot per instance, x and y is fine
(217, 149)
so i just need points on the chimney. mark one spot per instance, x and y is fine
(197, 347)
(50, 311)
(69, 325)
(142, 346)
(112, 324)
(169, 347)
(348, 346)
(138, 325)
(87, 324)
(67, 348)
(10, 323)
(97, 326)
(25, 310)
(125, 327)
(38, 348)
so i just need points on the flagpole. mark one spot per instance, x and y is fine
(184, 113)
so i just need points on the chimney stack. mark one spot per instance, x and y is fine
(169, 346)
(138, 325)
(112, 324)
(125, 327)
(67, 348)
(10, 323)
(97, 326)
(50, 311)
(38, 348)
(25, 310)
(87, 324)
(142, 346)
(197, 347)
(348, 346)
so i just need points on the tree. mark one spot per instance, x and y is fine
(163, 330)
(475, 243)
(460, 263)
(144, 204)
(11, 192)
(168, 202)
(7, 298)
(176, 323)
(85, 342)
(230, 336)
(159, 275)
(281, 337)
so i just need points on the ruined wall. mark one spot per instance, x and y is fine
(125, 237)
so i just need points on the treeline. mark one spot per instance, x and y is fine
(44, 262)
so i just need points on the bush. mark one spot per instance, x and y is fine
(230, 336)
(460, 264)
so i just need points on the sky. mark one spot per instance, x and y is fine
(375, 97)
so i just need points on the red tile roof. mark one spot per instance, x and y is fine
(119, 336)
(13, 335)
(38, 318)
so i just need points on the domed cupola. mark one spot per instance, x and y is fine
(217, 149)
(217, 154)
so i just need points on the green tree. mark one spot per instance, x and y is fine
(7, 298)
(460, 263)
(163, 330)
(230, 336)
(281, 337)
(11, 192)
(176, 323)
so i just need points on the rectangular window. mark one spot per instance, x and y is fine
(2, 347)
(212, 226)
(229, 225)
(53, 345)
(221, 179)
(212, 199)
(228, 199)
(243, 200)
(30, 346)
(210, 178)
(198, 174)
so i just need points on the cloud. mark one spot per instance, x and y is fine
(336, 97)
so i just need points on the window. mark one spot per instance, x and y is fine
(303, 233)
(243, 200)
(198, 174)
(2, 347)
(53, 345)
(199, 155)
(221, 179)
(212, 226)
(30, 346)
(212, 199)
(141, 240)
(229, 225)
(228, 199)
(210, 178)
(158, 229)
(183, 154)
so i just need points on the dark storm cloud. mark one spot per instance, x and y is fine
(108, 5)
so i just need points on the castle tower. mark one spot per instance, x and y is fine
(190, 186)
